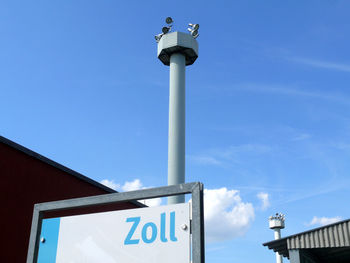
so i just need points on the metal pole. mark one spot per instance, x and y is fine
(277, 233)
(176, 143)
(177, 50)
(277, 223)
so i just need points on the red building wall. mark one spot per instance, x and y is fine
(27, 178)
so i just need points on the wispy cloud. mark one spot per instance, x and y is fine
(214, 248)
(291, 91)
(302, 137)
(250, 148)
(341, 145)
(321, 64)
(264, 198)
(324, 220)
(203, 160)
(302, 194)
(233, 153)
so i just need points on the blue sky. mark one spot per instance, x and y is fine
(268, 104)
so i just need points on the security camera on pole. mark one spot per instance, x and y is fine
(177, 50)
(276, 223)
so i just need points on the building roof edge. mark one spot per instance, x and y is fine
(61, 167)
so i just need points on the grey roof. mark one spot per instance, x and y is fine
(335, 235)
(59, 166)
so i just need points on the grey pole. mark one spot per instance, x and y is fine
(177, 116)
(277, 234)
(177, 50)
(277, 223)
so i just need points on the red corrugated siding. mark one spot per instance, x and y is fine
(26, 181)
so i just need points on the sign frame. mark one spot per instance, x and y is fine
(197, 221)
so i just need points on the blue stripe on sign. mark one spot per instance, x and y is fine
(48, 249)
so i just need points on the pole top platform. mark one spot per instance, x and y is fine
(277, 221)
(177, 42)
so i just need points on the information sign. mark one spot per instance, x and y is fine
(153, 234)
(144, 235)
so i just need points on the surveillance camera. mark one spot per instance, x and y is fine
(168, 20)
(158, 37)
(195, 33)
(165, 29)
(193, 30)
(194, 26)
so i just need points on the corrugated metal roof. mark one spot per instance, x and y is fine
(336, 235)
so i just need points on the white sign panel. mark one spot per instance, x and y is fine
(144, 235)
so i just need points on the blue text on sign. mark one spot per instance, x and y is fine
(131, 240)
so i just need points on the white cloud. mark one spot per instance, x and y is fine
(132, 186)
(226, 216)
(324, 220)
(264, 197)
(152, 202)
(110, 184)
